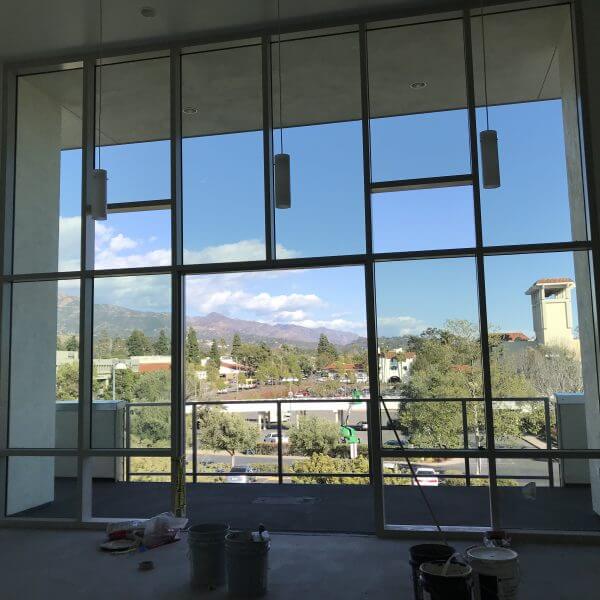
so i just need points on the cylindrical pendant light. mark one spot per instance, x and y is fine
(488, 139)
(283, 184)
(283, 191)
(490, 165)
(97, 193)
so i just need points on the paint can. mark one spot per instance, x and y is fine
(207, 555)
(443, 580)
(247, 557)
(495, 572)
(422, 553)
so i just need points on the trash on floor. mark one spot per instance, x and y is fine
(143, 534)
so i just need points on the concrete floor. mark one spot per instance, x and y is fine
(46, 564)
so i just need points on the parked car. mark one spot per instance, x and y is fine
(242, 474)
(273, 438)
(392, 443)
(426, 477)
(361, 426)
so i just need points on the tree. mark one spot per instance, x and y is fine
(72, 344)
(67, 381)
(214, 354)
(138, 344)
(326, 352)
(236, 346)
(151, 425)
(154, 386)
(228, 432)
(314, 436)
(162, 345)
(192, 348)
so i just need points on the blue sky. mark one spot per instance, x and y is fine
(224, 221)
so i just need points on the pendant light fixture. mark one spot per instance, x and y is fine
(488, 139)
(283, 188)
(98, 180)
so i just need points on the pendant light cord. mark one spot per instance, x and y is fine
(100, 88)
(279, 77)
(485, 90)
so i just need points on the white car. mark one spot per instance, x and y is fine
(241, 474)
(426, 477)
(273, 438)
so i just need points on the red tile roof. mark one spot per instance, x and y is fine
(553, 280)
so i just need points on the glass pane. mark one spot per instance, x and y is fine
(559, 495)
(534, 108)
(132, 362)
(458, 497)
(130, 487)
(133, 239)
(320, 112)
(542, 347)
(426, 219)
(133, 129)
(43, 487)
(48, 173)
(417, 94)
(428, 338)
(223, 171)
(45, 333)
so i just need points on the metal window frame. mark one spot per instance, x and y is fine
(84, 452)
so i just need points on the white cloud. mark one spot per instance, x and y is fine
(234, 252)
(358, 327)
(289, 315)
(69, 243)
(400, 325)
(121, 242)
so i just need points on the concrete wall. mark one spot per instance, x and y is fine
(33, 351)
(590, 10)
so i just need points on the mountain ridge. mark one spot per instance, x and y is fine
(120, 321)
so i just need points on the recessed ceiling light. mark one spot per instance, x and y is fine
(190, 110)
(148, 12)
(418, 85)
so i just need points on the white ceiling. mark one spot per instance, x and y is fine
(34, 28)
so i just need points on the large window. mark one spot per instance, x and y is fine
(397, 311)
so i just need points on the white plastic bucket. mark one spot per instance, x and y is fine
(495, 572)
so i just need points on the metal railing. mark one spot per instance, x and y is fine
(346, 404)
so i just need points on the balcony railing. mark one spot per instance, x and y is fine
(280, 405)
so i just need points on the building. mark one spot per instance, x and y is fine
(553, 313)
(394, 365)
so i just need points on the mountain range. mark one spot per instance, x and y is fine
(120, 321)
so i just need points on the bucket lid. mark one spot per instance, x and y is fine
(492, 554)
(442, 569)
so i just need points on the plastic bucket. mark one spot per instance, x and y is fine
(207, 554)
(445, 581)
(422, 553)
(495, 572)
(247, 565)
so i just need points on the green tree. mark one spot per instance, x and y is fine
(314, 436)
(162, 345)
(326, 352)
(236, 346)
(125, 385)
(154, 386)
(228, 432)
(214, 354)
(138, 344)
(67, 381)
(72, 344)
(192, 348)
(152, 425)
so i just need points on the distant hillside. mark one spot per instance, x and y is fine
(119, 321)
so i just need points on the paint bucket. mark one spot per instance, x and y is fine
(445, 580)
(207, 554)
(495, 572)
(422, 553)
(247, 564)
